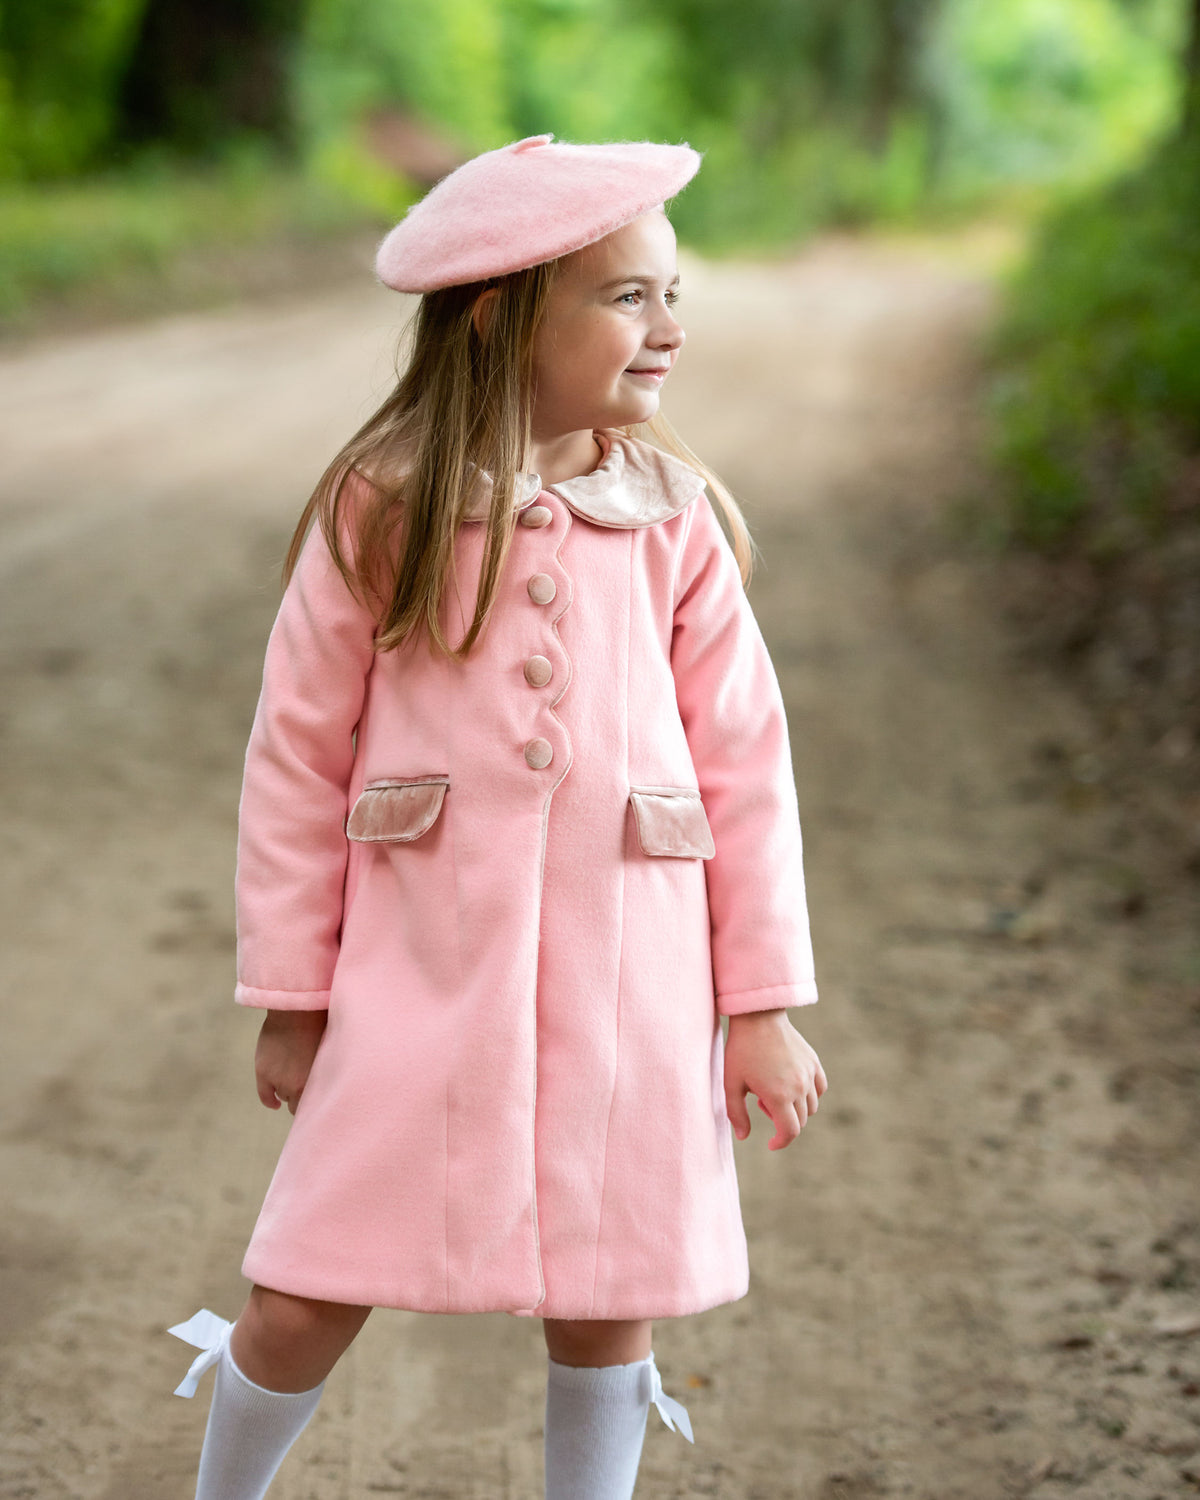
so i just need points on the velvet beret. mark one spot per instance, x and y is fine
(525, 203)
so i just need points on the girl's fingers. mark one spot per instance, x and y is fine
(787, 1126)
(266, 1092)
(789, 1116)
(739, 1116)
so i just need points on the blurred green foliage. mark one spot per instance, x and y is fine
(1096, 390)
(442, 61)
(1046, 91)
(60, 64)
(852, 106)
(122, 235)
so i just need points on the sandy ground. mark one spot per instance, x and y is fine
(976, 1274)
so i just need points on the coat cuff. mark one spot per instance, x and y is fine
(773, 997)
(248, 994)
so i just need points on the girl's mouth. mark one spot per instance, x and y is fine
(655, 375)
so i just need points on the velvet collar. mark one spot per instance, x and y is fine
(634, 484)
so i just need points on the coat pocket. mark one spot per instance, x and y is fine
(672, 820)
(396, 810)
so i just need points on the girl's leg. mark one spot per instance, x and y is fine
(288, 1343)
(594, 1342)
(597, 1398)
(268, 1381)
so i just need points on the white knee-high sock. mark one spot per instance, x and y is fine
(596, 1424)
(249, 1431)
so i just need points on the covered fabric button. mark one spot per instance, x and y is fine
(536, 515)
(541, 588)
(538, 671)
(539, 753)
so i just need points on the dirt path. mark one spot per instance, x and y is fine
(977, 1275)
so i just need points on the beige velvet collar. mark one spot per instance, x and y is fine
(634, 484)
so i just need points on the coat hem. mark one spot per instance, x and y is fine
(315, 1288)
(630, 1311)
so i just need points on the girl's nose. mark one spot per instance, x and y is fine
(671, 335)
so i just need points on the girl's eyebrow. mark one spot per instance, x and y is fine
(636, 276)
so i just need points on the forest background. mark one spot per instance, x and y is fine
(157, 153)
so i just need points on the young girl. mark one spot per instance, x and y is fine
(518, 826)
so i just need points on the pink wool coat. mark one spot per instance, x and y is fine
(525, 886)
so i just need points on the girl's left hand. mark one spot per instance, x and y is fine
(767, 1056)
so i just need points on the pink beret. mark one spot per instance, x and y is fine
(526, 203)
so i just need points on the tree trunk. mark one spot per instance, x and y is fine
(895, 80)
(1190, 122)
(886, 76)
(1190, 63)
(203, 71)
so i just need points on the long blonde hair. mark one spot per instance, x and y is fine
(465, 399)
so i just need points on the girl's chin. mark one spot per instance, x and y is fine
(620, 414)
(640, 411)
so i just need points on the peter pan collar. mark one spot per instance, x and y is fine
(634, 484)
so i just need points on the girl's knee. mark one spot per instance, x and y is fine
(291, 1343)
(285, 1317)
(597, 1342)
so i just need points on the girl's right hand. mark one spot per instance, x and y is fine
(284, 1055)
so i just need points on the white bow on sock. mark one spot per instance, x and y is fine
(673, 1412)
(208, 1333)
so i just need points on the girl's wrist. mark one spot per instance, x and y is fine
(295, 1020)
(762, 1017)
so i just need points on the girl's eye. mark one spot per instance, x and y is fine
(671, 298)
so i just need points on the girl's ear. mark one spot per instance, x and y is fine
(481, 313)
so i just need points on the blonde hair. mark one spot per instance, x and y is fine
(464, 399)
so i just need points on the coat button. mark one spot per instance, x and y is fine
(536, 515)
(539, 753)
(538, 671)
(541, 588)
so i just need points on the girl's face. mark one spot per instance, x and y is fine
(609, 315)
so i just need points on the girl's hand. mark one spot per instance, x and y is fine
(286, 1047)
(767, 1056)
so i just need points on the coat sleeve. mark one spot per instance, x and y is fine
(292, 848)
(733, 715)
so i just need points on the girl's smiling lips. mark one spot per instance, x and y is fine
(649, 373)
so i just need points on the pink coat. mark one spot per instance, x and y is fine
(525, 886)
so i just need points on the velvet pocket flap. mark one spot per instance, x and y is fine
(396, 811)
(672, 820)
